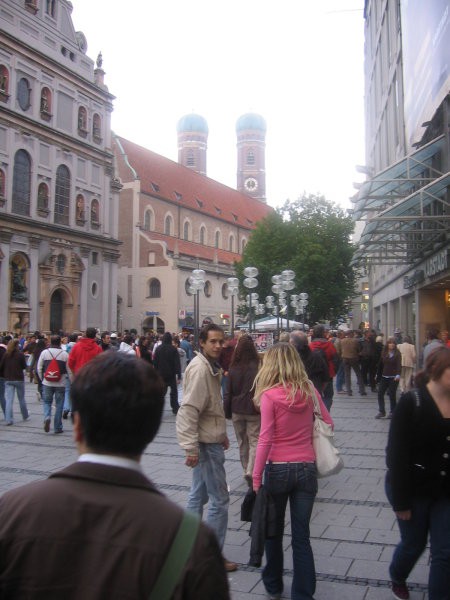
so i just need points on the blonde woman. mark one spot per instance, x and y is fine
(286, 457)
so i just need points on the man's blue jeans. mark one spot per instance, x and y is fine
(428, 516)
(298, 483)
(2, 396)
(19, 386)
(47, 398)
(209, 483)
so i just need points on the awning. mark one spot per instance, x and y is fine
(403, 227)
(399, 180)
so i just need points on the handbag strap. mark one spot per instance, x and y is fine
(316, 404)
(176, 559)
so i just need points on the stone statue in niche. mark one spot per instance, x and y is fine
(19, 291)
(43, 197)
(80, 208)
(44, 102)
(94, 212)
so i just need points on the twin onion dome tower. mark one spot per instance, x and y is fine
(193, 132)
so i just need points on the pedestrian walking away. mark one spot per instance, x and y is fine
(201, 431)
(12, 366)
(286, 456)
(418, 477)
(388, 377)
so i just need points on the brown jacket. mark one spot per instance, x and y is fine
(97, 532)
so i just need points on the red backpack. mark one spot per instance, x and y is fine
(52, 372)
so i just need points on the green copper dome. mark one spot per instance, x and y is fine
(192, 122)
(251, 121)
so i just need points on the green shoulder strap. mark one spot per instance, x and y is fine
(176, 559)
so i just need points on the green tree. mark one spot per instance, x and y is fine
(311, 236)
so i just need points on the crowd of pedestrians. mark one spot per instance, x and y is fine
(269, 399)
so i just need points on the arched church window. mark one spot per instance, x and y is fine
(168, 225)
(202, 235)
(147, 220)
(217, 239)
(21, 183)
(243, 243)
(2, 183)
(24, 94)
(154, 289)
(62, 195)
(231, 243)
(186, 230)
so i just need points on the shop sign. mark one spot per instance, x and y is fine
(151, 313)
(417, 277)
(436, 264)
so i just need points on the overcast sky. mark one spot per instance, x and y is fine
(298, 63)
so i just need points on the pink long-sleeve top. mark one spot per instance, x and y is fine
(286, 430)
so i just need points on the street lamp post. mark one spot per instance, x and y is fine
(233, 288)
(287, 283)
(250, 282)
(301, 302)
(197, 283)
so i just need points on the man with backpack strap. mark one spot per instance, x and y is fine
(53, 370)
(100, 528)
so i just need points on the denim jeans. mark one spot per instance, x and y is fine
(47, 399)
(389, 384)
(340, 377)
(2, 396)
(209, 483)
(19, 387)
(428, 516)
(298, 483)
(67, 401)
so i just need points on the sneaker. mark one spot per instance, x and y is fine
(229, 566)
(47, 425)
(59, 431)
(400, 591)
(65, 414)
(380, 415)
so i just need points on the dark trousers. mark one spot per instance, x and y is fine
(389, 385)
(172, 383)
(369, 371)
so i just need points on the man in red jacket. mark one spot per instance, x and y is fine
(320, 343)
(84, 350)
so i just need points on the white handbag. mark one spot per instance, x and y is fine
(328, 459)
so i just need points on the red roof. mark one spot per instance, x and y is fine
(192, 249)
(163, 178)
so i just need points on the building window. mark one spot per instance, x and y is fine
(187, 287)
(94, 289)
(82, 121)
(148, 220)
(62, 195)
(151, 259)
(231, 243)
(251, 157)
(46, 103)
(225, 291)
(4, 83)
(97, 128)
(208, 289)
(244, 241)
(31, 6)
(94, 257)
(24, 94)
(217, 239)
(95, 213)
(50, 7)
(168, 225)
(80, 209)
(43, 196)
(18, 284)
(190, 158)
(60, 263)
(154, 288)
(21, 183)
(186, 230)
(202, 235)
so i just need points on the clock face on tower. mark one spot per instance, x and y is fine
(251, 184)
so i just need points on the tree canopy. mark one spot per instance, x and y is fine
(310, 236)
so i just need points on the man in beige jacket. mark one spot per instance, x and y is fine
(408, 352)
(201, 432)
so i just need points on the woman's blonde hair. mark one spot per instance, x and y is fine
(282, 365)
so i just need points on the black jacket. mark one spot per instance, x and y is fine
(239, 394)
(264, 525)
(167, 361)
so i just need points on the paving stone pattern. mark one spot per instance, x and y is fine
(353, 529)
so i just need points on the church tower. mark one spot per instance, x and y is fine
(251, 162)
(192, 133)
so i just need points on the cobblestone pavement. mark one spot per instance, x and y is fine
(353, 529)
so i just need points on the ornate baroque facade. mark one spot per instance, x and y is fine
(58, 194)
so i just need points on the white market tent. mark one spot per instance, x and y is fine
(270, 324)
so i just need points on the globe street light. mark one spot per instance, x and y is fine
(250, 282)
(287, 283)
(233, 288)
(300, 304)
(197, 283)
